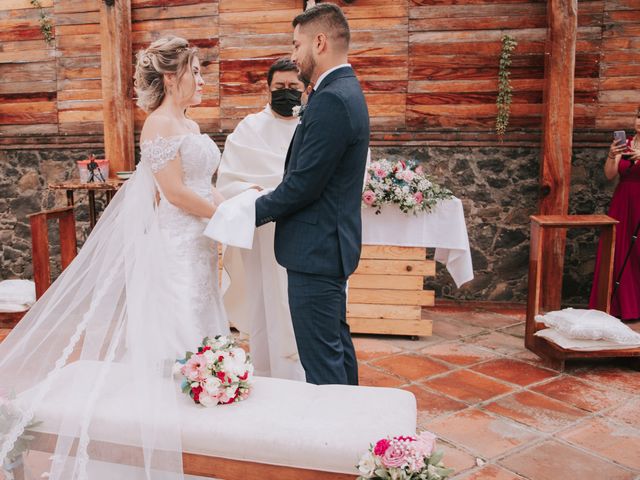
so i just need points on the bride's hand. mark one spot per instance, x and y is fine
(217, 197)
(258, 188)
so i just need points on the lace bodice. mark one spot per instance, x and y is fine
(199, 156)
(194, 256)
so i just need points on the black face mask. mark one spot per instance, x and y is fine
(283, 101)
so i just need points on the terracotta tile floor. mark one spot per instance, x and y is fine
(500, 413)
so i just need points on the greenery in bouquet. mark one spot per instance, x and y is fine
(219, 373)
(404, 458)
(404, 184)
(10, 415)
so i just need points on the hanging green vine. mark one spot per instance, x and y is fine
(504, 85)
(46, 26)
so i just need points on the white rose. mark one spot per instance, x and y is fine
(207, 400)
(367, 465)
(239, 354)
(211, 385)
(210, 356)
(236, 364)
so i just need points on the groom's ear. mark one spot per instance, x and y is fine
(320, 42)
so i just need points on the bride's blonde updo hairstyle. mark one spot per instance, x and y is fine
(167, 55)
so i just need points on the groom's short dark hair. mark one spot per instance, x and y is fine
(283, 64)
(329, 19)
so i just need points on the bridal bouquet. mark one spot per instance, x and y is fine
(403, 183)
(404, 458)
(219, 373)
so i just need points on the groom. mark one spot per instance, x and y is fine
(317, 206)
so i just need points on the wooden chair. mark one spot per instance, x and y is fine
(540, 224)
(40, 243)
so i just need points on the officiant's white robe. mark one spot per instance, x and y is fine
(256, 297)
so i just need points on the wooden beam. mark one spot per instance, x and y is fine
(555, 167)
(117, 84)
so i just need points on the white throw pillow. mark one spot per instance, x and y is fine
(589, 325)
(581, 345)
(17, 295)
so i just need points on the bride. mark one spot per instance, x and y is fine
(142, 291)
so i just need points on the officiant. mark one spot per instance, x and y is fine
(255, 292)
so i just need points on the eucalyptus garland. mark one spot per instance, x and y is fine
(46, 27)
(504, 85)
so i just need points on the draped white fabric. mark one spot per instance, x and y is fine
(443, 228)
(125, 304)
(255, 293)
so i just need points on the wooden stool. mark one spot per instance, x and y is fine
(40, 243)
(553, 353)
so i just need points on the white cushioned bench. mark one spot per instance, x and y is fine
(285, 429)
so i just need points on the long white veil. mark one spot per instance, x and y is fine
(88, 367)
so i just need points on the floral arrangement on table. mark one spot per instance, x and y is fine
(404, 458)
(9, 415)
(219, 373)
(402, 183)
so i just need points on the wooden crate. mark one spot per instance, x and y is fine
(386, 293)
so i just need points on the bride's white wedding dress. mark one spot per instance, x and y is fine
(194, 265)
(142, 291)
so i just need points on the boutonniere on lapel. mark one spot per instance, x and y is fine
(298, 110)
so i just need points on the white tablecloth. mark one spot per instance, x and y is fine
(443, 229)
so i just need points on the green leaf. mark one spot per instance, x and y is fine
(436, 457)
(186, 386)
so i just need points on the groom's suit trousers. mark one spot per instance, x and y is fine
(318, 306)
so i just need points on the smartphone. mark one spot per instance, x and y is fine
(620, 137)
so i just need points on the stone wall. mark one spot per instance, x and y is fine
(24, 177)
(498, 187)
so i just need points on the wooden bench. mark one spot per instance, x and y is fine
(540, 224)
(285, 430)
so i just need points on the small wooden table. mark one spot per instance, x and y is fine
(110, 187)
(540, 225)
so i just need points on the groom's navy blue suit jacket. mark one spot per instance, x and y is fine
(317, 206)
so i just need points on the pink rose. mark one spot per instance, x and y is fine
(196, 368)
(394, 457)
(425, 443)
(419, 170)
(416, 464)
(381, 447)
(368, 197)
(408, 175)
(418, 197)
(380, 173)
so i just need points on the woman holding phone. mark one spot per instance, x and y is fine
(623, 162)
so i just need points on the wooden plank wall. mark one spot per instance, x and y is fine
(428, 67)
(620, 69)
